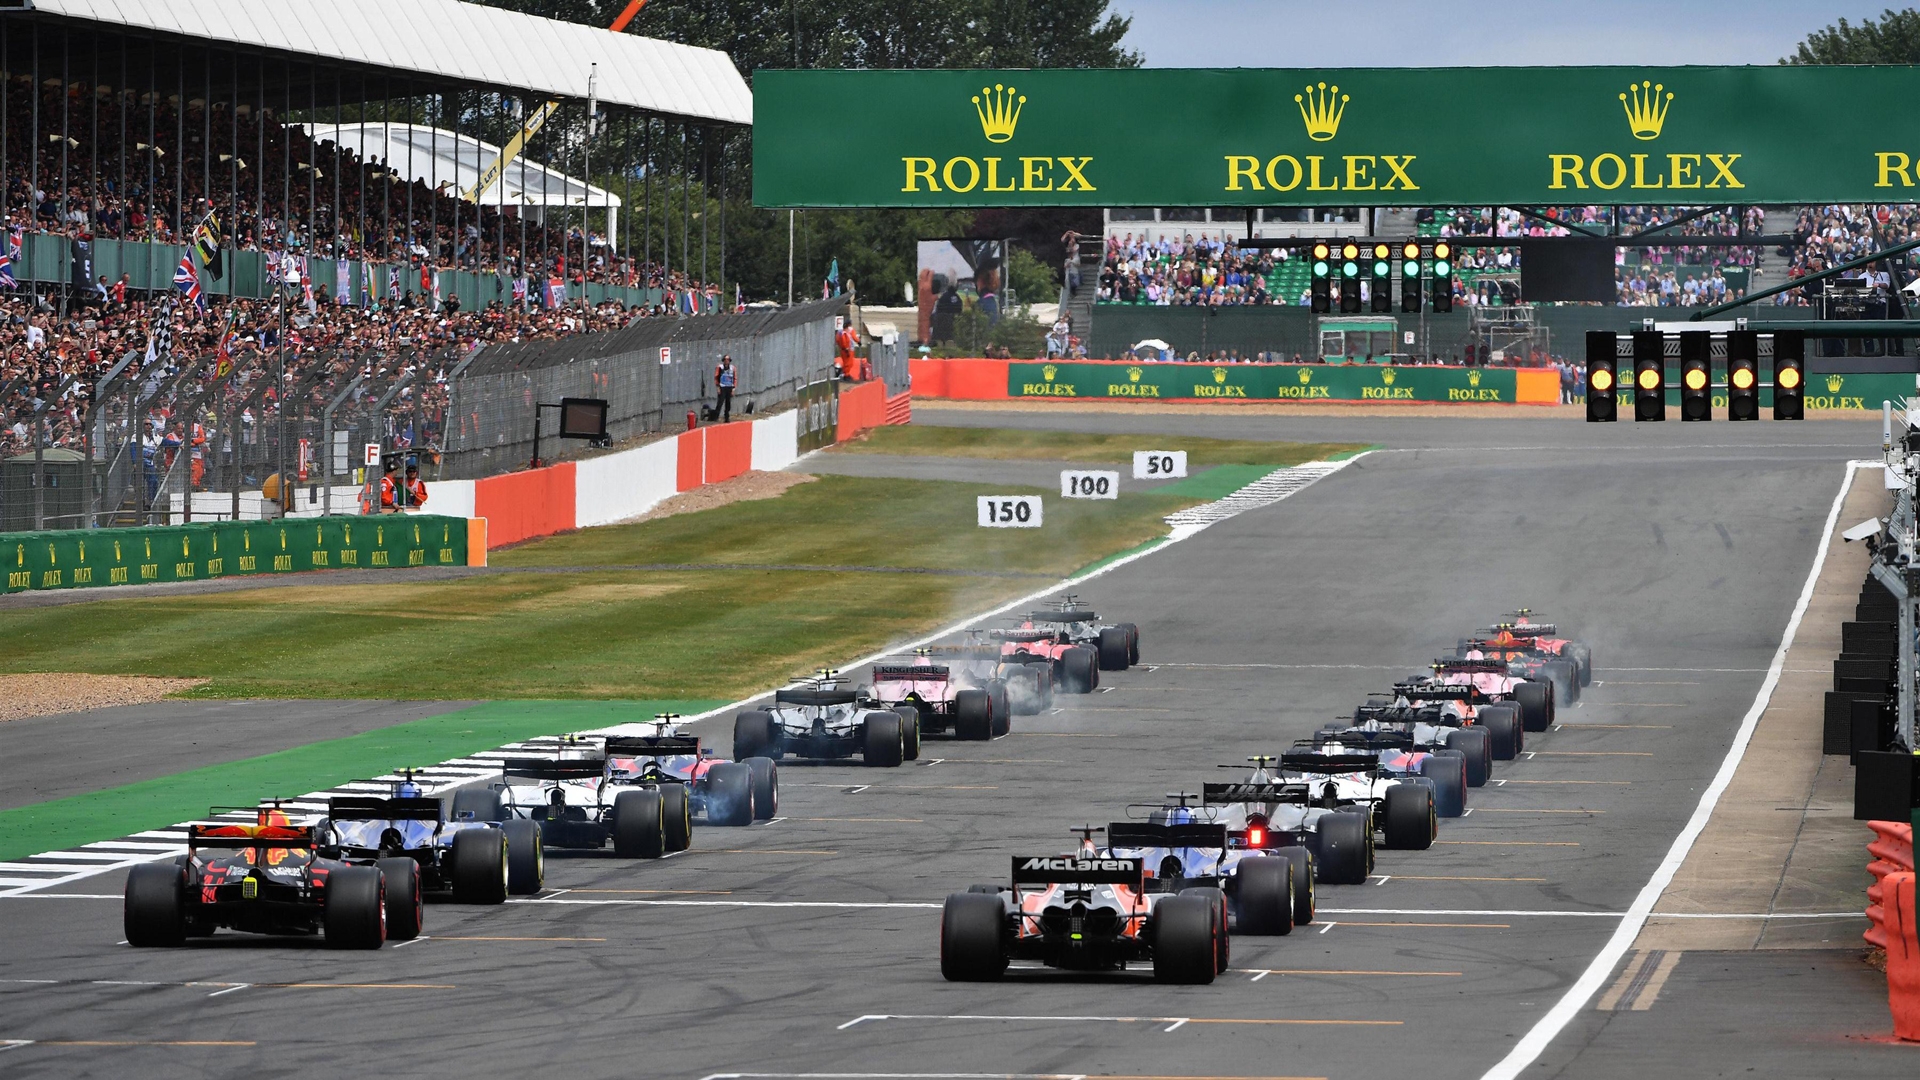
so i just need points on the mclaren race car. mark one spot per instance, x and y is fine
(1446, 716)
(1084, 911)
(817, 719)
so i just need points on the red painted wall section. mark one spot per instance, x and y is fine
(691, 471)
(523, 505)
(977, 380)
(729, 451)
(863, 407)
(929, 376)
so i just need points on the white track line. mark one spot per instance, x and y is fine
(1541, 1035)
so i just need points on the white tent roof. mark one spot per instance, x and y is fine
(437, 156)
(453, 40)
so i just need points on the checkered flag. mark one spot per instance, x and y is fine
(160, 342)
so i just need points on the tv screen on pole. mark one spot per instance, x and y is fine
(583, 418)
(1567, 268)
(957, 276)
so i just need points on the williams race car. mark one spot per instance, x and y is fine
(819, 720)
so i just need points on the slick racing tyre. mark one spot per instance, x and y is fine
(478, 804)
(1079, 673)
(406, 914)
(757, 734)
(766, 788)
(526, 861)
(1113, 649)
(909, 731)
(1536, 704)
(1133, 643)
(1266, 896)
(1476, 744)
(480, 871)
(972, 937)
(1343, 856)
(1582, 657)
(881, 744)
(1448, 771)
(1505, 736)
(639, 824)
(1222, 940)
(356, 908)
(1002, 706)
(730, 794)
(1565, 677)
(676, 815)
(1411, 822)
(1183, 940)
(152, 916)
(973, 715)
(1303, 900)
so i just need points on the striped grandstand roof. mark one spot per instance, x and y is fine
(448, 39)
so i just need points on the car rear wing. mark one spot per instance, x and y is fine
(1307, 761)
(1254, 791)
(251, 836)
(1063, 615)
(1141, 834)
(1440, 691)
(910, 673)
(1078, 870)
(372, 808)
(652, 745)
(1530, 630)
(979, 652)
(572, 768)
(1022, 635)
(1471, 667)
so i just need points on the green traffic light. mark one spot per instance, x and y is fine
(1349, 269)
(1380, 269)
(1320, 269)
(1410, 269)
(1440, 268)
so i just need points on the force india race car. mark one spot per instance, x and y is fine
(964, 695)
(1083, 911)
(411, 839)
(580, 803)
(1496, 682)
(1525, 658)
(820, 720)
(264, 878)
(724, 792)
(1115, 645)
(1268, 891)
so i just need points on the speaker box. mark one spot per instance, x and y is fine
(1884, 785)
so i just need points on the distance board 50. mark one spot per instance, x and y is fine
(1159, 464)
(1009, 511)
(1082, 484)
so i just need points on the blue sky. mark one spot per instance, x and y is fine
(1449, 33)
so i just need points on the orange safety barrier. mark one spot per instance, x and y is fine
(1536, 386)
(977, 380)
(1892, 851)
(477, 541)
(1903, 956)
(862, 407)
(729, 451)
(900, 408)
(691, 470)
(928, 375)
(522, 505)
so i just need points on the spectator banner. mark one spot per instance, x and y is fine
(82, 558)
(1335, 137)
(1261, 382)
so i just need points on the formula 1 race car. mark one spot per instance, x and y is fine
(1543, 636)
(1020, 684)
(1524, 657)
(937, 702)
(264, 878)
(580, 804)
(724, 792)
(1399, 755)
(1398, 806)
(1273, 812)
(1447, 716)
(1268, 890)
(1117, 645)
(1495, 681)
(1083, 911)
(819, 720)
(1074, 668)
(410, 838)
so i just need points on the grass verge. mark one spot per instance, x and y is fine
(1080, 446)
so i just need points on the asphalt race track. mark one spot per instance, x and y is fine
(809, 945)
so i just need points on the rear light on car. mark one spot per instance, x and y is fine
(1256, 832)
(250, 888)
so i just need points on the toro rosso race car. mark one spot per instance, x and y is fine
(945, 698)
(820, 720)
(579, 802)
(266, 878)
(724, 792)
(411, 839)
(1115, 645)
(1084, 911)
(1268, 890)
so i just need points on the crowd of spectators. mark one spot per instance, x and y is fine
(1183, 273)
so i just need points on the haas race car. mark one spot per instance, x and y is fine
(1084, 911)
(723, 792)
(818, 719)
(580, 801)
(409, 836)
(266, 878)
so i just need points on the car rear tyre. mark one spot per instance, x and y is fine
(1303, 899)
(153, 915)
(1343, 856)
(1266, 896)
(1411, 823)
(756, 734)
(1565, 677)
(972, 937)
(1183, 940)
(1002, 705)
(639, 824)
(1476, 744)
(973, 715)
(1133, 643)
(480, 866)
(1222, 940)
(526, 861)
(909, 731)
(1113, 649)
(1504, 733)
(1079, 671)
(730, 794)
(1448, 771)
(1536, 704)
(676, 816)
(766, 787)
(881, 742)
(356, 908)
(406, 913)
(1582, 657)
(478, 804)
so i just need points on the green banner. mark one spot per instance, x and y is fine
(1260, 382)
(1681, 136)
(83, 558)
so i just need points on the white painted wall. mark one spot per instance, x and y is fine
(623, 485)
(776, 441)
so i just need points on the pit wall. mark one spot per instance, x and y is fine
(999, 380)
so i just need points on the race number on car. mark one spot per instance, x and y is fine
(1009, 511)
(1079, 484)
(1159, 464)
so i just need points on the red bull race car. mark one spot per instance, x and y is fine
(1544, 636)
(269, 877)
(1084, 911)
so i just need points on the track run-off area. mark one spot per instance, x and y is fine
(808, 946)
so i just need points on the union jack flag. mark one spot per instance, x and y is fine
(6, 273)
(188, 282)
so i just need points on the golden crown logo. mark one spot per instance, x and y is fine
(1473, 378)
(1834, 383)
(1133, 374)
(116, 551)
(1219, 374)
(149, 546)
(1386, 376)
(1646, 109)
(1321, 107)
(1306, 376)
(1000, 113)
(1048, 372)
